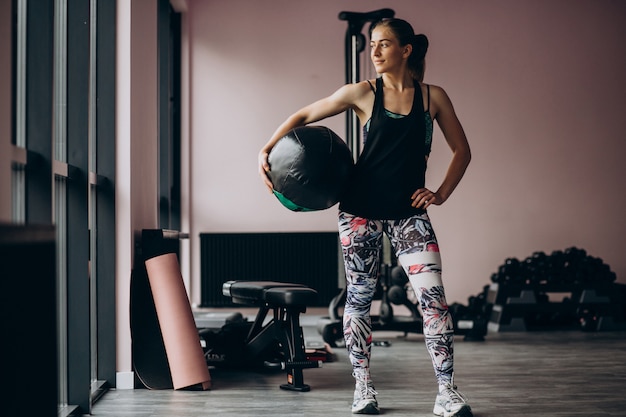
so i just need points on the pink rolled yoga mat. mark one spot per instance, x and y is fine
(180, 335)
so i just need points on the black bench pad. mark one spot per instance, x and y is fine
(272, 292)
(290, 296)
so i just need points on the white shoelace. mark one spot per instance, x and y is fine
(366, 391)
(455, 396)
(364, 385)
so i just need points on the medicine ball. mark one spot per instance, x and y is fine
(309, 168)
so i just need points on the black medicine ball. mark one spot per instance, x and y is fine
(309, 168)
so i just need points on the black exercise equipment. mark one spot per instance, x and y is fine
(286, 301)
(572, 265)
(523, 294)
(471, 320)
(310, 166)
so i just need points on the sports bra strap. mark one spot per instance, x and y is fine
(371, 86)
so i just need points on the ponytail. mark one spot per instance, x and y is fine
(420, 46)
(416, 59)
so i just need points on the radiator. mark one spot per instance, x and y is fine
(310, 258)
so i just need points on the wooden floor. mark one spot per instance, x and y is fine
(525, 374)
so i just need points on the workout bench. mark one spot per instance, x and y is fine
(287, 301)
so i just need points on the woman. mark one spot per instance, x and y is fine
(387, 195)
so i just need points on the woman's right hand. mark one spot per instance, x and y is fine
(264, 168)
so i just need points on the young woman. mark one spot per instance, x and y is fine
(387, 195)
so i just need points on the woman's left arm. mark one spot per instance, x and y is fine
(457, 141)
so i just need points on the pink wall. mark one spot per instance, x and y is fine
(539, 87)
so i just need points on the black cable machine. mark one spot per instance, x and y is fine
(393, 284)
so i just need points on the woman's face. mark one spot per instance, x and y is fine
(386, 52)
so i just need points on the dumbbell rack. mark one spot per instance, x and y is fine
(527, 306)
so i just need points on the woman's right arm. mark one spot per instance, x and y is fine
(347, 97)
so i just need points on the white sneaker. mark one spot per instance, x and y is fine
(451, 403)
(364, 395)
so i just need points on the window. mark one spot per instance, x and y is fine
(169, 97)
(63, 174)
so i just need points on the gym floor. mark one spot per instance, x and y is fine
(553, 373)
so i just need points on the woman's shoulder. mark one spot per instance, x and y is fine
(353, 92)
(357, 96)
(434, 90)
(438, 95)
(363, 87)
(439, 99)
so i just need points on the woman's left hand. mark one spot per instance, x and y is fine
(423, 197)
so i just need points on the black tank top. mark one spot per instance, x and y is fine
(392, 165)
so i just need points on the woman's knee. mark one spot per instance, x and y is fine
(435, 311)
(360, 296)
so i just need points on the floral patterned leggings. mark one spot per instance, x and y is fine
(415, 245)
